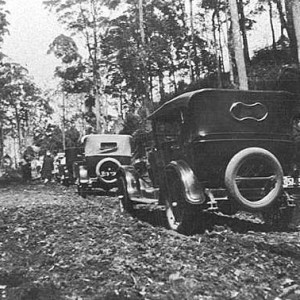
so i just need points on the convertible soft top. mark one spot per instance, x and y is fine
(107, 144)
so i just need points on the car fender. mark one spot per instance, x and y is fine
(130, 175)
(193, 189)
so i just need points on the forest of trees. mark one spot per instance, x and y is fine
(139, 54)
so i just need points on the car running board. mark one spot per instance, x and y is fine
(144, 200)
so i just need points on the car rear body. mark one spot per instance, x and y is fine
(222, 150)
(103, 155)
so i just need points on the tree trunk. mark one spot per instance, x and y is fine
(229, 45)
(151, 88)
(161, 85)
(221, 57)
(19, 132)
(98, 106)
(239, 54)
(195, 55)
(281, 16)
(271, 24)
(220, 84)
(63, 131)
(147, 103)
(1, 140)
(173, 75)
(243, 31)
(296, 20)
(190, 48)
(291, 28)
(141, 22)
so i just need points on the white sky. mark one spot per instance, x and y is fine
(32, 29)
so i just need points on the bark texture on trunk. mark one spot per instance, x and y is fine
(238, 46)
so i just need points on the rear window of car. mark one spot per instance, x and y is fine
(105, 146)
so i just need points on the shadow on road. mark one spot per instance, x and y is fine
(155, 215)
(206, 221)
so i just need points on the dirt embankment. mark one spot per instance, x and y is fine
(56, 245)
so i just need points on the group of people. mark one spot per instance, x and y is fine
(45, 171)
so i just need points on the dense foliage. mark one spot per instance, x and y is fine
(142, 53)
(25, 110)
(146, 51)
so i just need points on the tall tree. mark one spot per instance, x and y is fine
(220, 20)
(147, 101)
(75, 84)
(191, 42)
(23, 104)
(217, 30)
(289, 6)
(272, 24)
(238, 46)
(86, 18)
(3, 30)
(269, 3)
(282, 17)
(296, 22)
(242, 22)
(167, 44)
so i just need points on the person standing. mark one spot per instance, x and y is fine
(26, 167)
(47, 168)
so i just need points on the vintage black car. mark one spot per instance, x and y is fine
(220, 151)
(103, 156)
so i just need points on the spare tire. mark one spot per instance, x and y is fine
(254, 178)
(107, 170)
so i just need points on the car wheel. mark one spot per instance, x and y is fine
(125, 202)
(82, 190)
(66, 183)
(178, 212)
(254, 179)
(107, 170)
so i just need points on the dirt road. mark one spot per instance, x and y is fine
(56, 245)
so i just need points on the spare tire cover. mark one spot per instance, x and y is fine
(107, 170)
(269, 168)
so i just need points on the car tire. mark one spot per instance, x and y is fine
(271, 163)
(66, 183)
(82, 190)
(125, 202)
(180, 214)
(107, 160)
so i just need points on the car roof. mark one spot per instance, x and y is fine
(93, 142)
(182, 101)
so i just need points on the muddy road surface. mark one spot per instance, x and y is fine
(56, 245)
